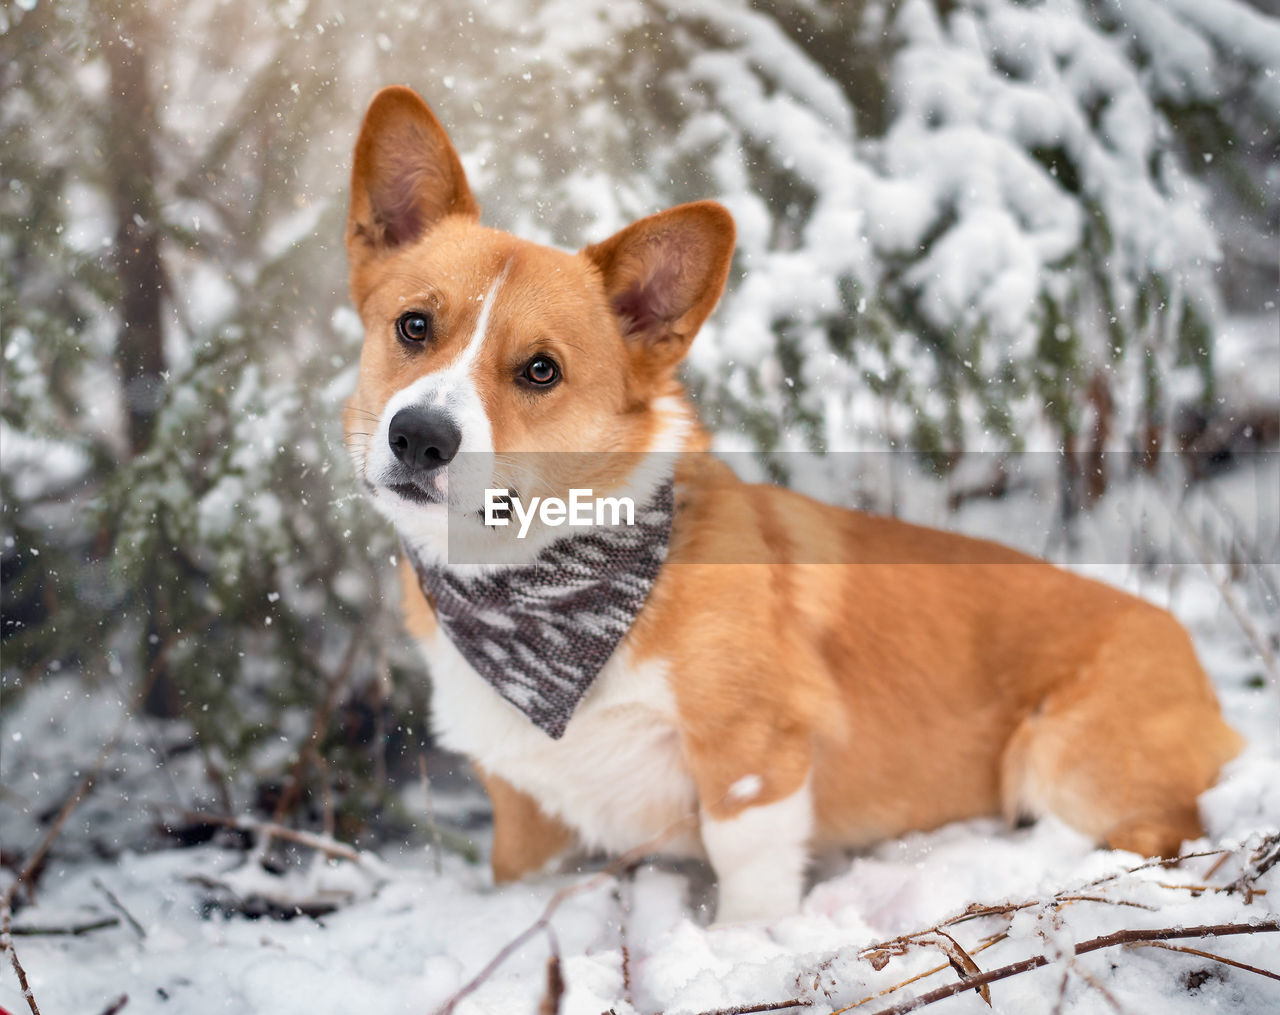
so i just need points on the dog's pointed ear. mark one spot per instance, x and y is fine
(406, 175)
(663, 276)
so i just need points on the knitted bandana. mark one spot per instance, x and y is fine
(540, 633)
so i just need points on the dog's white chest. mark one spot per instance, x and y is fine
(618, 776)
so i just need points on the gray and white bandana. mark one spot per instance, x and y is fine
(540, 633)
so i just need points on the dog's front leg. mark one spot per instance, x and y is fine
(759, 851)
(525, 837)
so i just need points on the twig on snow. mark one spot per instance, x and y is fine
(116, 1006)
(1062, 993)
(1123, 937)
(1073, 966)
(118, 906)
(325, 844)
(27, 875)
(6, 944)
(67, 929)
(437, 847)
(752, 1009)
(1236, 608)
(1211, 956)
(1266, 856)
(1103, 899)
(553, 995)
(1222, 855)
(625, 895)
(879, 954)
(982, 946)
(543, 922)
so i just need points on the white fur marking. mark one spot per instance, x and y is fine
(453, 388)
(472, 349)
(760, 857)
(617, 777)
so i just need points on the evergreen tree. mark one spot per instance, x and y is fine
(963, 224)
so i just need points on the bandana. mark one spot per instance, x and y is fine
(540, 633)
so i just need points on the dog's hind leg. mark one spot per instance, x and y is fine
(1123, 749)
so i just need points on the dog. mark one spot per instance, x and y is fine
(742, 700)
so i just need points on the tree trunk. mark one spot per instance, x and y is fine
(130, 157)
(130, 166)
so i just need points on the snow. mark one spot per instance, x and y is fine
(950, 207)
(405, 939)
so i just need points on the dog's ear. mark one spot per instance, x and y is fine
(406, 175)
(663, 276)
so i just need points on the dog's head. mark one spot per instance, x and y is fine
(481, 348)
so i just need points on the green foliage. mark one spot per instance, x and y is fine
(953, 217)
(229, 560)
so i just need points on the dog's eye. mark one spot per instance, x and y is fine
(414, 327)
(541, 372)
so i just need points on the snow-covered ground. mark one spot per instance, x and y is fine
(1012, 126)
(406, 938)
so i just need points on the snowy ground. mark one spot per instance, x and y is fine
(405, 938)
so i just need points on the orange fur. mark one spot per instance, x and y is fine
(525, 838)
(924, 678)
(943, 678)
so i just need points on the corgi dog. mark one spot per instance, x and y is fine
(756, 703)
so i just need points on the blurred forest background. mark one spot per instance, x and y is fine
(966, 225)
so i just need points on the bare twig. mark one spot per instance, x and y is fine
(1093, 982)
(1201, 889)
(625, 894)
(974, 912)
(310, 750)
(330, 847)
(752, 1009)
(67, 929)
(116, 1006)
(1266, 856)
(1211, 956)
(1105, 900)
(36, 859)
(1214, 867)
(553, 995)
(27, 875)
(544, 921)
(1168, 861)
(987, 943)
(327, 819)
(1250, 551)
(118, 906)
(880, 953)
(1123, 937)
(436, 847)
(6, 944)
(1062, 992)
(1236, 608)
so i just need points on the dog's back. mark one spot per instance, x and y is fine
(924, 677)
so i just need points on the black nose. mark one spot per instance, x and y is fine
(423, 438)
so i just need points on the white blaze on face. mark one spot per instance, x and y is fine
(453, 389)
